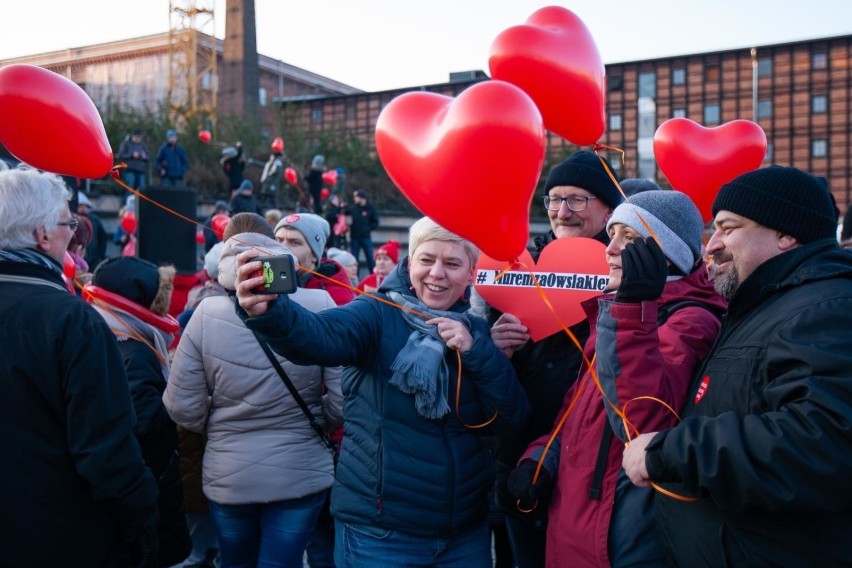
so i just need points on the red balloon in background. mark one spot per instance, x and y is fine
(470, 163)
(128, 222)
(218, 224)
(324, 193)
(205, 136)
(554, 59)
(199, 237)
(698, 161)
(41, 111)
(278, 145)
(330, 177)
(291, 176)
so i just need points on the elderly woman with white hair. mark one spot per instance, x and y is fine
(423, 382)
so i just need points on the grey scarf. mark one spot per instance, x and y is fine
(420, 368)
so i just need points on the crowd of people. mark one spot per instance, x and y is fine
(698, 415)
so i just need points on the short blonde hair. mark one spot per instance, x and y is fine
(425, 229)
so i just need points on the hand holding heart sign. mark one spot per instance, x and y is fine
(569, 271)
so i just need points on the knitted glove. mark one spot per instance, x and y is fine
(521, 486)
(643, 271)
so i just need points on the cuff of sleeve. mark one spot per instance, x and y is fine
(654, 460)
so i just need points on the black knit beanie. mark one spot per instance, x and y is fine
(782, 198)
(584, 169)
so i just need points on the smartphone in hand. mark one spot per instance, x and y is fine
(279, 273)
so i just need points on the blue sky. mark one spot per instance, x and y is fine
(385, 44)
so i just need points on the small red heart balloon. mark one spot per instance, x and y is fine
(128, 222)
(569, 271)
(218, 224)
(330, 177)
(554, 59)
(698, 161)
(470, 163)
(69, 267)
(324, 193)
(199, 237)
(277, 145)
(205, 136)
(291, 176)
(41, 111)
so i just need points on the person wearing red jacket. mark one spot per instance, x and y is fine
(387, 257)
(655, 322)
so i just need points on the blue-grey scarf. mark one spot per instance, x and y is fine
(30, 256)
(420, 368)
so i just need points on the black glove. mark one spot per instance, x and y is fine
(643, 271)
(139, 547)
(521, 486)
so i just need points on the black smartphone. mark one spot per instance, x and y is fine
(279, 273)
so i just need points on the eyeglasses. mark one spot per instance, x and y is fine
(575, 203)
(72, 224)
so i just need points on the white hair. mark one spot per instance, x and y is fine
(29, 199)
(425, 229)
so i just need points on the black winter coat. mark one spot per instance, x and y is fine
(767, 443)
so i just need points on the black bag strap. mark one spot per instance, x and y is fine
(326, 440)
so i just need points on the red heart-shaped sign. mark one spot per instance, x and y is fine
(698, 160)
(554, 59)
(569, 270)
(470, 163)
(41, 111)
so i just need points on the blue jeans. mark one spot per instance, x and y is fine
(363, 546)
(365, 243)
(136, 180)
(265, 535)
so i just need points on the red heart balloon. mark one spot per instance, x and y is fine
(199, 237)
(330, 177)
(277, 145)
(41, 111)
(128, 222)
(324, 193)
(205, 136)
(291, 176)
(554, 59)
(569, 270)
(218, 224)
(470, 163)
(698, 160)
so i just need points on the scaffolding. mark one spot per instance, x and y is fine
(193, 82)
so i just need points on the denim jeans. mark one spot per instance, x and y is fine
(363, 546)
(265, 535)
(367, 245)
(136, 180)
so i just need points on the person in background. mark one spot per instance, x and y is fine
(655, 322)
(386, 257)
(144, 335)
(393, 502)
(271, 179)
(347, 261)
(77, 251)
(266, 472)
(314, 180)
(210, 235)
(334, 213)
(75, 488)
(233, 163)
(244, 200)
(579, 197)
(365, 220)
(632, 186)
(96, 249)
(272, 217)
(304, 235)
(172, 161)
(134, 153)
(764, 448)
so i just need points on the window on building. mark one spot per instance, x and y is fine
(711, 113)
(679, 76)
(819, 60)
(712, 73)
(819, 148)
(769, 152)
(764, 67)
(614, 122)
(615, 83)
(764, 108)
(679, 113)
(261, 96)
(819, 104)
(648, 84)
(316, 115)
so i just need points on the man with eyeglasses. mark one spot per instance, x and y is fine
(74, 486)
(579, 197)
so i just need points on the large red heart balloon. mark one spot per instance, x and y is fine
(470, 163)
(569, 270)
(698, 160)
(554, 59)
(291, 176)
(40, 112)
(330, 177)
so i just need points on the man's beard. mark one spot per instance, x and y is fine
(726, 284)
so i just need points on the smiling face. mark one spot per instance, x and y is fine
(587, 223)
(440, 273)
(738, 246)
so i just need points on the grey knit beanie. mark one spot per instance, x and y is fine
(314, 228)
(782, 198)
(672, 216)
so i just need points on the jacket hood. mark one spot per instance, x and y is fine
(239, 243)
